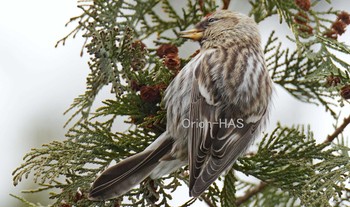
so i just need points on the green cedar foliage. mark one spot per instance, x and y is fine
(294, 170)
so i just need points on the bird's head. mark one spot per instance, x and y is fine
(224, 27)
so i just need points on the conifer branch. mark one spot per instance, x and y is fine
(250, 193)
(338, 130)
(207, 201)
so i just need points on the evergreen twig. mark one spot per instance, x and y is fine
(338, 130)
(250, 193)
(207, 201)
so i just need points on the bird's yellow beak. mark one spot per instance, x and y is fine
(194, 34)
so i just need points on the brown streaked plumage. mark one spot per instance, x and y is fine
(227, 82)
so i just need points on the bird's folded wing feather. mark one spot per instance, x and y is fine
(213, 145)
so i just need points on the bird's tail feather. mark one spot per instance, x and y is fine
(120, 178)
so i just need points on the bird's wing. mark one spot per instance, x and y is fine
(219, 133)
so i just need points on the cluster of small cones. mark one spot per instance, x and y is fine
(302, 19)
(339, 26)
(170, 55)
(152, 93)
(333, 81)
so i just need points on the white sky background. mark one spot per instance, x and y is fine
(38, 82)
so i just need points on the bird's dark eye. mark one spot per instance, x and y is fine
(212, 19)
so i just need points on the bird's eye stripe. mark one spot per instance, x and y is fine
(212, 19)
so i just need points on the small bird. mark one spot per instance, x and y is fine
(216, 106)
